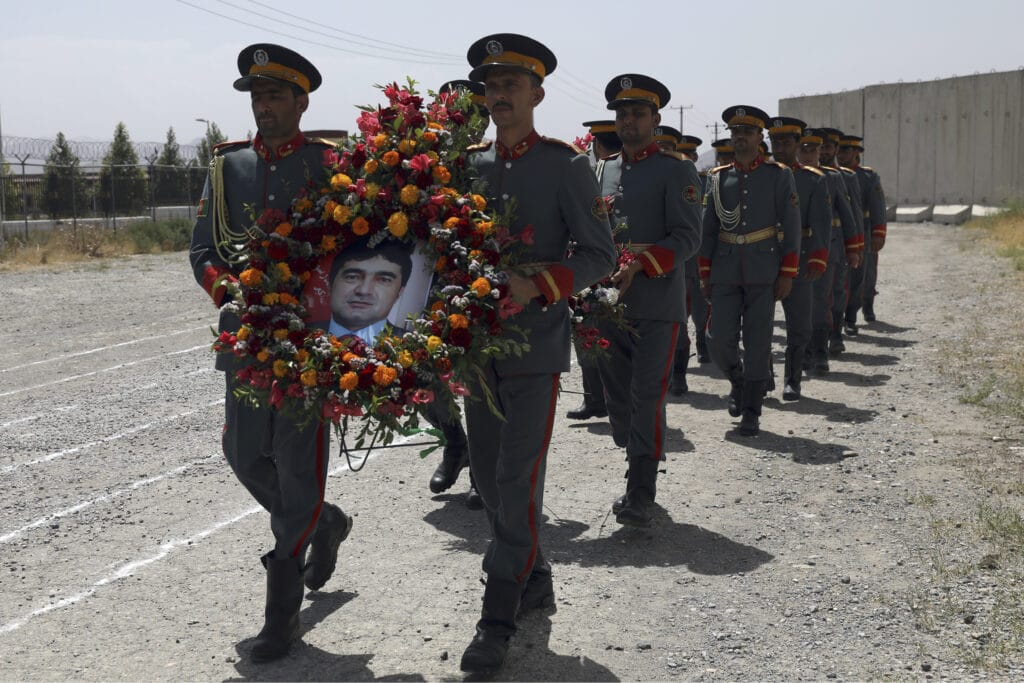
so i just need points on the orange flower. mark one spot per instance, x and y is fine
(341, 214)
(434, 125)
(429, 136)
(372, 189)
(432, 155)
(481, 287)
(280, 368)
(251, 277)
(407, 147)
(329, 208)
(301, 356)
(243, 332)
(340, 181)
(433, 343)
(384, 375)
(270, 299)
(349, 381)
(360, 226)
(440, 264)
(263, 356)
(283, 229)
(281, 334)
(379, 140)
(458, 321)
(286, 298)
(409, 195)
(485, 227)
(452, 223)
(328, 243)
(391, 158)
(398, 224)
(405, 358)
(308, 378)
(304, 277)
(303, 205)
(442, 174)
(284, 271)
(371, 166)
(479, 203)
(437, 305)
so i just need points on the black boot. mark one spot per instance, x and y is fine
(735, 394)
(284, 598)
(455, 458)
(835, 337)
(850, 324)
(486, 652)
(539, 592)
(593, 397)
(868, 310)
(819, 352)
(702, 349)
(473, 499)
(641, 488)
(753, 398)
(332, 528)
(679, 385)
(793, 373)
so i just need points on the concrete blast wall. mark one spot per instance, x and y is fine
(951, 141)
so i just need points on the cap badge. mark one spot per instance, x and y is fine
(740, 111)
(494, 48)
(657, 131)
(626, 83)
(260, 57)
(778, 123)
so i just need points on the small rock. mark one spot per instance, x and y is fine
(969, 619)
(845, 579)
(643, 646)
(229, 660)
(444, 656)
(926, 666)
(427, 639)
(997, 439)
(850, 454)
(672, 664)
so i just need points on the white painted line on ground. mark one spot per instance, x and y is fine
(103, 348)
(62, 409)
(127, 569)
(11, 535)
(107, 439)
(119, 366)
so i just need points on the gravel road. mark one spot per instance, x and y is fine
(130, 552)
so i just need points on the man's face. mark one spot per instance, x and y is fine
(276, 108)
(784, 149)
(828, 150)
(511, 96)
(808, 154)
(635, 123)
(745, 139)
(846, 155)
(364, 291)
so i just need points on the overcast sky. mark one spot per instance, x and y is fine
(80, 66)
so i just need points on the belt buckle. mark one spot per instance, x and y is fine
(740, 239)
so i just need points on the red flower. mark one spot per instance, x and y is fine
(460, 336)
(420, 163)
(422, 396)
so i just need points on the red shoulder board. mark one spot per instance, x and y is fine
(225, 147)
(481, 146)
(562, 143)
(672, 153)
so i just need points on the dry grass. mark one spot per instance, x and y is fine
(1005, 233)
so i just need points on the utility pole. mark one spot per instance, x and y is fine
(714, 127)
(682, 108)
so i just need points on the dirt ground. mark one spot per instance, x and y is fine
(841, 543)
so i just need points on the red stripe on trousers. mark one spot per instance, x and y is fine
(533, 479)
(664, 388)
(322, 483)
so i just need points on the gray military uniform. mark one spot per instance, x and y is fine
(841, 288)
(554, 190)
(863, 280)
(283, 465)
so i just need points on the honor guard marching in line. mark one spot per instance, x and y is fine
(863, 280)
(845, 246)
(281, 463)
(604, 143)
(787, 134)
(455, 457)
(667, 137)
(749, 255)
(841, 287)
(656, 193)
(696, 306)
(552, 188)
(724, 153)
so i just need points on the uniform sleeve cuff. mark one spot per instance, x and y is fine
(818, 260)
(554, 283)
(790, 265)
(657, 260)
(878, 230)
(213, 282)
(703, 267)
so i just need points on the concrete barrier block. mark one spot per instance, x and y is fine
(913, 214)
(890, 213)
(953, 214)
(980, 211)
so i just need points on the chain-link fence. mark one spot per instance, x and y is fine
(39, 196)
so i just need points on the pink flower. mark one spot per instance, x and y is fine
(526, 236)
(276, 395)
(603, 343)
(423, 396)
(420, 162)
(458, 389)
(507, 307)
(368, 123)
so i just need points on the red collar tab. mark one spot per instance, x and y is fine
(753, 164)
(854, 166)
(795, 165)
(518, 149)
(282, 151)
(646, 152)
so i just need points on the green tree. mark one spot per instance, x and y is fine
(169, 173)
(122, 181)
(63, 184)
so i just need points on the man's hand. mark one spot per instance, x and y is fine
(705, 289)
(853, 259)
(877, 243)
(812, 275)
(523, 289)
(783, 286)
(623, 277)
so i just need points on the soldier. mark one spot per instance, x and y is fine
(552, 189)
(456, 451)
(605, 142)
(696, 305)
(863, 280)
(281, 463)
(749, 255)
(656, 192)
(724, 153)
(667, 137)
(844, 247)
(787, 134)
(841, 288)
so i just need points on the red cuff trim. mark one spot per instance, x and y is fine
(657, 260)
(216, 290)
(818, 260)
(878, 230)
(790, 265)
(554, 283)
(704, 267)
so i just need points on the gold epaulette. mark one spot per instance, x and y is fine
(481, 146)
(224, 147)
(775, 163)
(815, 171)
(672, 153)
(830, 168)
(327, 142)
(717, 169)
(868, 168)
(562, 143)
(612, 156)
(846, 170)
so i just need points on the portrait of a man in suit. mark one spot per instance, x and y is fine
(365, 283)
